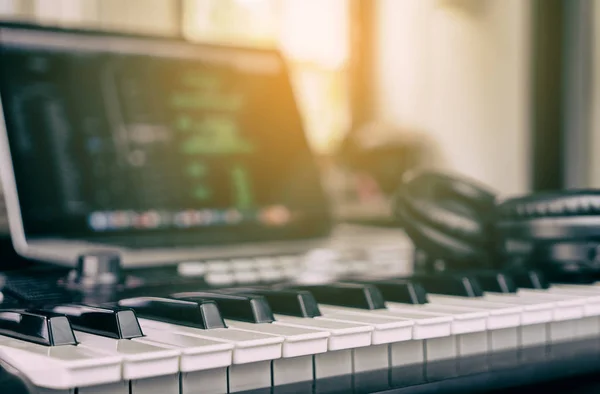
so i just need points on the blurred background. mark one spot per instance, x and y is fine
(499, 90)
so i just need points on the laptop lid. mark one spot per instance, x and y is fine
(109, 137)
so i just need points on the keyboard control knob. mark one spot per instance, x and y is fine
(97, 269)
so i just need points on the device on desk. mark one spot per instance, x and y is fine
(151, 144)
(155, 151)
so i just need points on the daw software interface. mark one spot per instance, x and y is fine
(114, 135)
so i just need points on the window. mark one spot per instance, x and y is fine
(312, 34)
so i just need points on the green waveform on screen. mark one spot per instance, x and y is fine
(242, 187)
(201, 80)
(202, 193)
(217, 136)
(197, 170)
(206, 101)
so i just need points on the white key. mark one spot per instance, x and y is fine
(201, 360)
(343, 337)
(536, 319)
(299, 343)
(568, 310)
(463, 321)
(252, 353)
(140, 360)
(469, 326)
(535, 311)
(249, 346)
(503, 322)
(60, 367)
(196, 353)
(424, 327)
(385, 331)
(567, 307)
(501, 315)
(591, 295)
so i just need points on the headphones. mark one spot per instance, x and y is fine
(457, 224)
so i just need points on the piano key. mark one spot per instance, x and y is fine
(37, 326)
(503, 322)
(112, 322)
(546, 322)
(202, 314)
(203, 362)
(157, 365)
(333, 368)
(535, 311)
(455, 285)
(529, 279)
(495, 282)
(63, 367)
(424, 327)
(299, 343)
(372, 362)
(242, 307)
(298, 303)
(252, 353)
(347, 294)
(501, 315)
(468, 326)
(579, 329)
(433, 333)
(403, 291)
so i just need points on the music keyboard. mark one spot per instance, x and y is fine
(263, 337)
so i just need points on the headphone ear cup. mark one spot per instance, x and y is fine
(446, 221)
(436, 243)
(443, 187)
(561, 229)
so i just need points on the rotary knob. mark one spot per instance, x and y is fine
(97, 269)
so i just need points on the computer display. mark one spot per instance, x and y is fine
(115, 135)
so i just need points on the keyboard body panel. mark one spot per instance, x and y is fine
(453, 362)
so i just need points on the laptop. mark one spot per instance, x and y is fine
(157, 148)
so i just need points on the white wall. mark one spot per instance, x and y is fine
(459, 69)
(594, 155)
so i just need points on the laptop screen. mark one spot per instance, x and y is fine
(112, 136)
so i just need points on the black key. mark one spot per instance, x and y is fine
(242, 307)
(112, 322)
(399, 290)
(449, 284)
(37, 326)
(203, 314)
(496, 282)
(297, 303)
(351, 295)
(529, 279)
